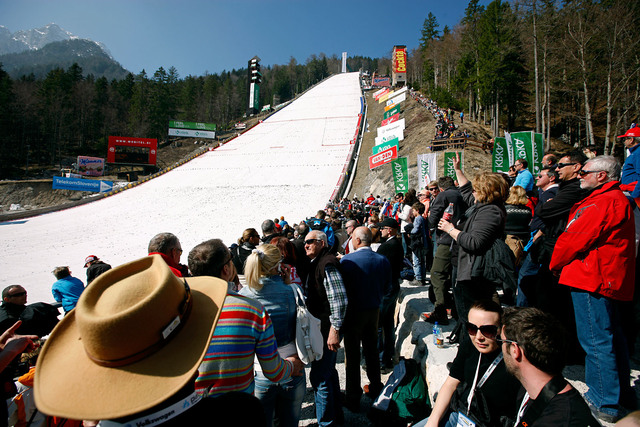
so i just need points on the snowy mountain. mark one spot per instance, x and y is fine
(42, 49)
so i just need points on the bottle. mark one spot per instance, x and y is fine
(448, 213)
(438, 338)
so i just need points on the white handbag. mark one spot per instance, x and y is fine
(309, 340)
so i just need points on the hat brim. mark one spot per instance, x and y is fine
(68, 384)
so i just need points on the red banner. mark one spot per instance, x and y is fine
(390, 119)
(123, 149)
(399, 59)
(384, 92)
(383, 157)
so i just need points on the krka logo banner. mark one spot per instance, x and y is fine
(427, 169)
(449, 157)
(538, 152)
(400, 174)
(501, 161)
(522, 147)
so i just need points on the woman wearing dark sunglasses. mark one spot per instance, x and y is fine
(478, 391)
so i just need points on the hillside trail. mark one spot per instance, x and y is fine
(419, 131)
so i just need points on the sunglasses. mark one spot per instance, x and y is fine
(310, 241)
(561, 165)
(433, 189)
(18, 294)
(585, 173)
(489, 331)
(502, 341)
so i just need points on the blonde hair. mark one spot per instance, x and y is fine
(260, 263)
(517, 196)
(490, 188)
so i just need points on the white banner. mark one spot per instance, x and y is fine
(427, 169)
(398, 133)
(192, 133)
(397, 99)
(378, 92)
(511, 154)
(391, 127)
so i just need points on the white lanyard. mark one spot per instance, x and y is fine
(484, 378)
(161, 416)
(523, 406)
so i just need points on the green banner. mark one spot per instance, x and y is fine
(449, 158)
(178, 124)
(385, 146)
(538, 152)
(523, 147)
(500, 160)
(400, 174)
(391, 112)
(256, 96)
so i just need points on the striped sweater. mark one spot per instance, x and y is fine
(243, 331)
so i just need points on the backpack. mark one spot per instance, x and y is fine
(405, 397)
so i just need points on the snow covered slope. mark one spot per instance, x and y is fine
(288, 165)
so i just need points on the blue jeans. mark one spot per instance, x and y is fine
(326, 388)
(528, 268)
(281, 401)
(607, 362)
(418, 264)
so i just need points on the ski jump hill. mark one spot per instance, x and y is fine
(289, 165)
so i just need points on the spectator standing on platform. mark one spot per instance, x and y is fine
(524, 178)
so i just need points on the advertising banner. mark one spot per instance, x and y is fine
(383, 157)
(79, 184)
(377, 93)
(385, 146)
(449, 157)
(522, 143)
(399, 59)
(400, 174)
(190, 133)
(390, 120)
(384, 97)
(396, 125)
(390, 112)
(90, 166)
(390, 107)
(398, 134)
(178, 124)
(382, 93)
(427, 169)
(538, 152)
(140, 151)
(382, 81)
(397, 99)
(500, 158)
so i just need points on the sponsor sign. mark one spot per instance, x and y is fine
(399, 59)
(90, 166)
(192, 133)
(392, 111)
(382, 93)
(427, 168)
(383, 157)
(538, 152)
(398, 133)
(522, 147)
(141, 151)
(254, 96)
(449, 158)
(178, 124)
(384, 97)
(500, 158)
(400, 174)
(391, 128)
(79, 184)
(386, 145)
(390, 120)
(397, 99)
(382, 81)
(389, 107)
(378, 93)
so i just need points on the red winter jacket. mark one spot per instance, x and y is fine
(596, 251)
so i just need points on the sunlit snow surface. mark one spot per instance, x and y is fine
(286, 166)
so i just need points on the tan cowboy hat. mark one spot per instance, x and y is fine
(135, 338)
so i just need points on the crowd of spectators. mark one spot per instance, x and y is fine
(572, 283)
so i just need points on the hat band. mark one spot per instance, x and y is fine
(167, 334)
(161, 416)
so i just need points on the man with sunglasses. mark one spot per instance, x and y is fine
(595, 258)
(478, 391)
(534, 346)
(37, 319)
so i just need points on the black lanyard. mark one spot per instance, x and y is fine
(548, 392)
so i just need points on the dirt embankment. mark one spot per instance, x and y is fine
(419, 131)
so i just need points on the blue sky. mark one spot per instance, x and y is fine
(198, 36)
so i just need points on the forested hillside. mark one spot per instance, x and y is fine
(569, 69)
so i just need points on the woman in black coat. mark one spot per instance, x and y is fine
(475, 233)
